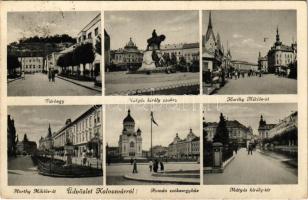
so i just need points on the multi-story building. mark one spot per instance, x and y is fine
(31, 64)
(26, 146)
(130, 141)
(285, 125)
(106, 49)
(159, 151)
(280, 56)
(47, 142)
(84, 133)
(128, 57)
(11, 136)
(214, 57)
(188, 148)
(262, 63)
(190, 51)
(264, 128)
(244, 65)
(238, 133)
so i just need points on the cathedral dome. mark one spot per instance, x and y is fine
(128, 118)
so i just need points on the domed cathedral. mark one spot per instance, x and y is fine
(130, 141)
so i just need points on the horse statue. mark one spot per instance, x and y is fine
(155, 40)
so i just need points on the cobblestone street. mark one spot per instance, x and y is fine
(38, 85)
(267, 84)
(253, 169)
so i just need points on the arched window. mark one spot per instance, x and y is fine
(132, 144)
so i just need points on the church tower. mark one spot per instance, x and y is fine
(130, 141)
(210, 41)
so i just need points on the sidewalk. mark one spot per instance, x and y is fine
(279, 157)
(87, 84)
(157, 178)
(13, 79)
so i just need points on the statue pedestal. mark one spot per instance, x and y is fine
(148, 63)
(69, 151)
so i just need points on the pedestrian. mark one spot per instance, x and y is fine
(151, 165)
(249, 148)
(155, 166)
(23, 75)
(84, 157)
(131, 161)
(49, 75)
(53, 74)
(161, 166)
(135, 167)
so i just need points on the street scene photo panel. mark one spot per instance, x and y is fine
(153, 144)
(54, 53)
(250, 144)
(55, 145)
(152, 52)
(249, 52)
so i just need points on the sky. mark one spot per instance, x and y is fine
(245, 30)
(171, 119)
(177, 26)
(34, 120)
(29, 24)
(249, 114)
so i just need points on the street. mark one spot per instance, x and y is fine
(21, 171)
(115, 172)
(119, 82)
(253, 169)
(38, 85)
(267, 84)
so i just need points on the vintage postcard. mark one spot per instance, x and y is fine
(153, 100)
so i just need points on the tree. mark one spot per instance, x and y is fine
(98, 46)
(86, 54)
(222, 134)
(12, 63)
(25, 138)
(182, 61)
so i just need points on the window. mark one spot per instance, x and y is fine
(90, 36)
(96, 31)
(132, 144)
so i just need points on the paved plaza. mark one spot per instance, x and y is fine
(254, 169)
(21, 171)
(116, 172)
(118, 82)
(38, 85)
(267, 84)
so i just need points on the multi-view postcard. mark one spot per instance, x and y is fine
(189, 100)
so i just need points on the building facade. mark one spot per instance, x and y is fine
(263, 63)
(11, 136)
(159, 151)
(287, 125)
(31, 65)
(130, 141)
(238, 133)
(46, 143)
(187, 148)
(264, 129)
(280, 56)
(244, 65)
(215, 60)
(190, 51)
(84, 133)
(26, 146)
(126, 58)
(106, 49)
